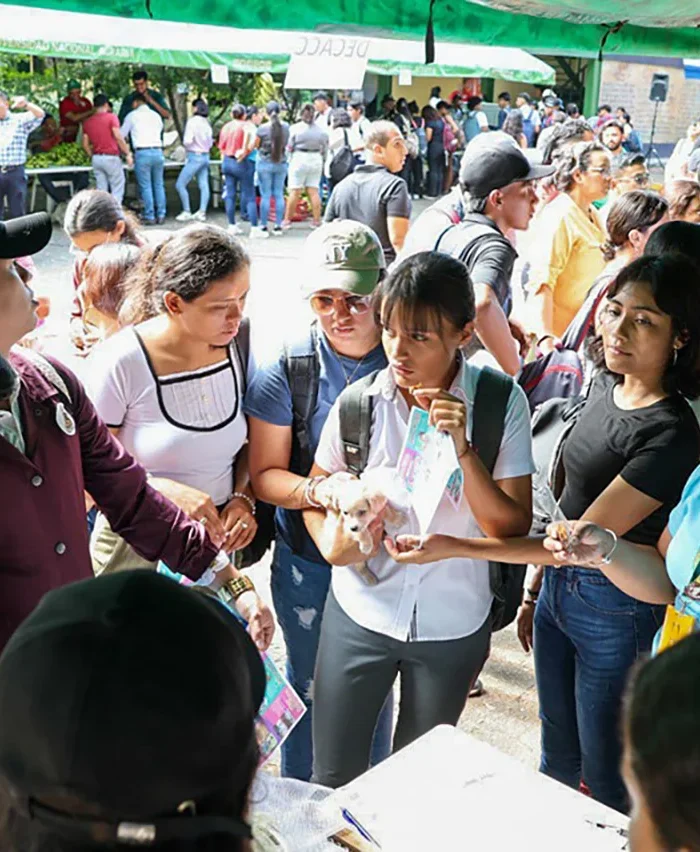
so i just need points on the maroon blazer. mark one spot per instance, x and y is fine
(43, 528)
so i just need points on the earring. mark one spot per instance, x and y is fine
(675, 357)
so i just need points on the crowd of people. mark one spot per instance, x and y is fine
(557, 283)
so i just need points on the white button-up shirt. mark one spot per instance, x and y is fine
(445, 600)
(145, 127)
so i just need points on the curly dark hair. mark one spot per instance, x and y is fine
(568, 133)
(674, 282)
(576, 158)
(187, 263)
(514, 125)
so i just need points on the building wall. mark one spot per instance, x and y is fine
(628, 84)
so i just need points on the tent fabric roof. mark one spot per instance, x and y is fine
(550, 31)
(82, 36)
(644, 13)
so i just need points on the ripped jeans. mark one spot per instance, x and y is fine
(299, 591)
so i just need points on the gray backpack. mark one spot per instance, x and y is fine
(490, 405)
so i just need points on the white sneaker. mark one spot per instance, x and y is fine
(185, 217)
(258, 233)
(200, 216)
(235, 229)
(277, 232)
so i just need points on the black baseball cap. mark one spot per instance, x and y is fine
(551, 101)
(496, 163)
(24, 235)
(133, 696)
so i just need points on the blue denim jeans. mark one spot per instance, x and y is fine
(239, 175)
(196, 166)
(271, 177)
(149, 164)
(587, 635)
(299, 591)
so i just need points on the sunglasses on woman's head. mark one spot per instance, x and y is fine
(324, 305)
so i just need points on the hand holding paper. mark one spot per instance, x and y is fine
(447, 414)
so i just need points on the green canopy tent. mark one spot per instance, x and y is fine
(627, 27)
(74, 35)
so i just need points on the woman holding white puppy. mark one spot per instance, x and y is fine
(287, 404)
(431, 623)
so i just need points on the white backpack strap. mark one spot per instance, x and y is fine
(48, 371)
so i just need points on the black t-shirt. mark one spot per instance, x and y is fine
(654, 449)
(488, 255)
(370, 195)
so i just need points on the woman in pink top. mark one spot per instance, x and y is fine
(198, 140)
(236, 144)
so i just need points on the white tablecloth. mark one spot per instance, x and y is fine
(447, 792)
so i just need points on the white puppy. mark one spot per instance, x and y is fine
(359, 502)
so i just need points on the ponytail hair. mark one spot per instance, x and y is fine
(633, 211)
(276, 132)
(187, 263)
(95, 210)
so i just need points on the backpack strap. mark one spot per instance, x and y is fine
(493, 391)
(436, 247)
(356, 423)
(464, 236)
(303, 372)
(48, 371)
(242, 342)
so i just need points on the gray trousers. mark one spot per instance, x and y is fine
(109, 175)
(356, 668)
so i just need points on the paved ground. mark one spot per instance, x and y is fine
(506, 716)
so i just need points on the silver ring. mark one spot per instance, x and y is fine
(244, 525)
(203, 521)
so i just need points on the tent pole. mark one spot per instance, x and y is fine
(592, 94)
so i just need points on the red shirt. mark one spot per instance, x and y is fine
(69, 105)
(43, 529)
(231, 138)
(98, 128)
(48, 143)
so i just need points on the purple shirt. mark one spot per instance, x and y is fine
(198, 135)
(43, 532)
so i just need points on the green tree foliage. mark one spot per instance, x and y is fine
(44, 81)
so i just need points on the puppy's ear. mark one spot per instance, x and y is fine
(376, 502)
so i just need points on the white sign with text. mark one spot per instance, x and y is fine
(327, 61)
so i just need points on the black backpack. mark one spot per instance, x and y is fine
(492, 394)
(343, 162)
(264, 512)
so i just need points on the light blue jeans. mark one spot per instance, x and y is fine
(299, 592)
(271, 177)
(149, 164)
(196, 166)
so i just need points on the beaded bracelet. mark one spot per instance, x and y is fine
(248, 500)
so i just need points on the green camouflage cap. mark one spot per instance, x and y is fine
(342, 255)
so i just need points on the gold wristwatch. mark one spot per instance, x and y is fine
(239, 586)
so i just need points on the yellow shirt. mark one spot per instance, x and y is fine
(565, 256)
